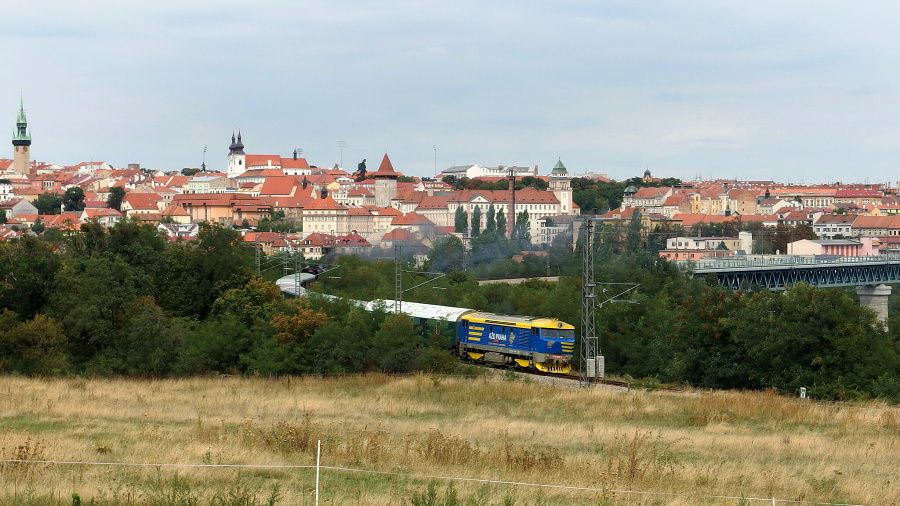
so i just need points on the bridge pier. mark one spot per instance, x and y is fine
(875, 298)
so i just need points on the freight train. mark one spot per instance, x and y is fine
(542, 344)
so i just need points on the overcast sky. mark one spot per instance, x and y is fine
(799, 90)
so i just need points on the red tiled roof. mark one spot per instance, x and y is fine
(758, 218)
(835, 219)
(851, 192)
(327, 203)
(92, 213)
(650, 192)
(279, 185)
(674, 200)
(149, 217)
(385, 170)
(175, 210)
(399, 234)
(358, 211)
(171, 181)
(295, 202)
(384, 211)
(318, 239)
(64, 221)
(142, 201)
(290, 163)
(434, 202)
(352, 239)
(888, 222)
(620, 214)
(263, 237)
(262, 160)
(412, 219)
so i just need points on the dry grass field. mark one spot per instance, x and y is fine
(687, 445)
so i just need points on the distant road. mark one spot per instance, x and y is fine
(516, 281)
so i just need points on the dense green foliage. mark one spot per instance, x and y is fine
(116, 195)
(126, 301)
(48, 203)
(73, 199)
(596, 197)
(464, 183)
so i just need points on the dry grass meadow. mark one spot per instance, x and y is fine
(689, 445)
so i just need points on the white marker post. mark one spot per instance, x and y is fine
(318, 460)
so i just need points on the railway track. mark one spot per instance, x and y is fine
(570, 379)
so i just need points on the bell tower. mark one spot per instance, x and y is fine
(21, 142)
(236, 156)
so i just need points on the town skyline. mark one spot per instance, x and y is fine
(759, 92)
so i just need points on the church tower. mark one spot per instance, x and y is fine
(561, 186)
(236, 157)
(21, 143)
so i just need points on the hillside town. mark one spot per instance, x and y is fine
(287, 204)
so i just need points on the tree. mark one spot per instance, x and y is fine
(296, 327)
(149, 343)
(491, 225)
(48, 203)
(91, 298)
(522, 230)
(73, 199)
(460, 220)
(395, 347)
(38, 226)
(446, 254)
(2, 216)
(255, 301)
(501, 222)
(476, 221)
(633, 242)
(116, 194)
(189, 171)
(215, 345)
(534, 182)
(37, 346)
(28, 268)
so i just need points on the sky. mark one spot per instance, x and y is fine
(799, 91)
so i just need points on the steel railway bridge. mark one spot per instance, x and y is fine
(871, 275)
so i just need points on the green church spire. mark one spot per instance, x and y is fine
(21, 137)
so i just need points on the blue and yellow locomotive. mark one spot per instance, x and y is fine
(545, 344)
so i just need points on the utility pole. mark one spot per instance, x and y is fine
(434, 147)
(296, 274)
(398, 281)
(592, 364)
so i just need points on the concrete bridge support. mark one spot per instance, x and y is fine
(875, 298)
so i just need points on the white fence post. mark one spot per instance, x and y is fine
(318, 461)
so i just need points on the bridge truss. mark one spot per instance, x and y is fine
(781, 272)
